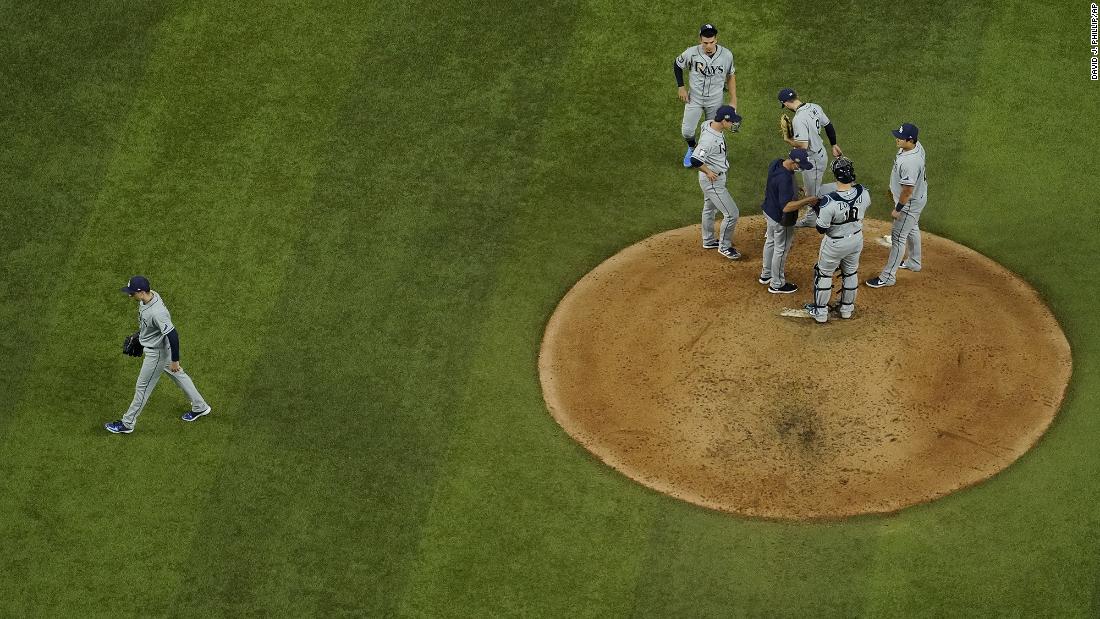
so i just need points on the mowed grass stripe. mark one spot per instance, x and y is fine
(361, 387)
(520, 520)
(211, 176)
(69, 79)
(1013, 545)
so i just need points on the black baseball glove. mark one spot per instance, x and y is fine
(131, 346)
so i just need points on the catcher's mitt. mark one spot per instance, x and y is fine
(786, 129)
(131, 346)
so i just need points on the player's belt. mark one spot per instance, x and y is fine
(845, 236)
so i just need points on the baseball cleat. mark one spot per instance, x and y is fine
(192, 415)
(876, 282)
(884, 241)
(786, 288)
(846, 316)
(730, 252)
(687, 156)
(117, 427)
(764, 280)
(905, 265)
(820, 314)
(710, 244)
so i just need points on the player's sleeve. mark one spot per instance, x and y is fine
(801, 128)
(699, 155)
(825, 215)
(908, 172)
(684, 60)
(732, 66)
(163, 322)
(824, 119)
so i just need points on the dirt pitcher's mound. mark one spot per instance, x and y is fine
(673, 365)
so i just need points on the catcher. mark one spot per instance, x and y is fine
(158, 339)
(840, 222)
(804, 131)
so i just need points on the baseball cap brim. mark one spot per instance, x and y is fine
(806, 165)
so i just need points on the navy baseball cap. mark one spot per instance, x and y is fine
(726, 112)
(708, 30)
(907, 132)
(800, 156)
(786, 95)
(137, 283)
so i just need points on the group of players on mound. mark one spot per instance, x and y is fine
(705, 74)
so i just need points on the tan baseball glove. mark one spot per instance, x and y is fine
(786, 129)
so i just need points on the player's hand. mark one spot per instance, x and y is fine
(895, 214)
(711, 176)
(174, 367)
(683, 94)
(837, 152)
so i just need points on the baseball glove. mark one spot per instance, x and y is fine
(786, 129)
(131, 346)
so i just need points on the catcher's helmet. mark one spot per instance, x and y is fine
(843, 170)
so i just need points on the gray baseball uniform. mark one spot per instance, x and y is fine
(909, 169)
(808, 120)
(711, 150)
(706, 81)
(154, 325)
(841, 221)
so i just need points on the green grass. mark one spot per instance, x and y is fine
(362, 216)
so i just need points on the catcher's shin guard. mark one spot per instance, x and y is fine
(823, 288)
(848, 292)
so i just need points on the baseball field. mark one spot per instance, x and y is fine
(363, 215)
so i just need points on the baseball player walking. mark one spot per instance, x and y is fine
(780, 210)
(809, 119)
(710, 71)
(710, 157)
(840, 221)
(909, 190)
(162, 355)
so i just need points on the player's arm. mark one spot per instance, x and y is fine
(164, 324)
(795, 205)
(903, 200)
(174, 343)
(697, 161)
(830, 131)
(824, 215)
(731, 85)
(678, 71)
(906, 194)
(907, 174)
